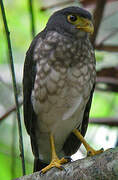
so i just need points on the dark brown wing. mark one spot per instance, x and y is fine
(29, 114)
(28, 84)
(72, 143)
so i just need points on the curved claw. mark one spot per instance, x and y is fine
(55, 163)
(92, 152)
(68, 158)
(63, 168)
(41, 173)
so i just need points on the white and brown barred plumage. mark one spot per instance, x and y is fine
(58, 83)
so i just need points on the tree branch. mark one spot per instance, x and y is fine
(9, 111)
(112, 121)
(107, 80)
(98, 14)
(109, 48)
(102, 166)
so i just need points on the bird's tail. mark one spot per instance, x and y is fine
(38, 165)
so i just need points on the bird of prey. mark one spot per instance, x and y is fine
(58, 84)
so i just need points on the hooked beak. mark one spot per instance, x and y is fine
(85, 25)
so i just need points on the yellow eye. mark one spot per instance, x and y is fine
(81, 23)
(72, 18)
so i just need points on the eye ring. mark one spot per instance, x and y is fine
(72, 18)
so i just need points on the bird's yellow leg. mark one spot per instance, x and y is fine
(90, 150)
(55, 162)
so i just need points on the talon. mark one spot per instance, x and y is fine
(89, 153)
(93, 152)
(69, 159)
(41, 173)
(63, 160)
(63, 168)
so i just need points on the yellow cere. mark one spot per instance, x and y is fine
(81, 23)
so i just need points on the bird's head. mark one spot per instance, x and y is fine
(71, 20)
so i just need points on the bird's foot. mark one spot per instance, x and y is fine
(92, 152)
(55, 163)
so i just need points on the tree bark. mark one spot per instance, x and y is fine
(100, 167)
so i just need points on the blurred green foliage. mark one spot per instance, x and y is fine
(104, 104)
(10, 167)
(18, 18)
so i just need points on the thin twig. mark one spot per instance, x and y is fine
(13, 148)
(32, 20)
(110, 82)
(14, 85)
(106, 121)
(105, 89)
(107, 80)
(109, 48)
(9, 111)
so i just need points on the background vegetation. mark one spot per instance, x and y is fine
(105, 104)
